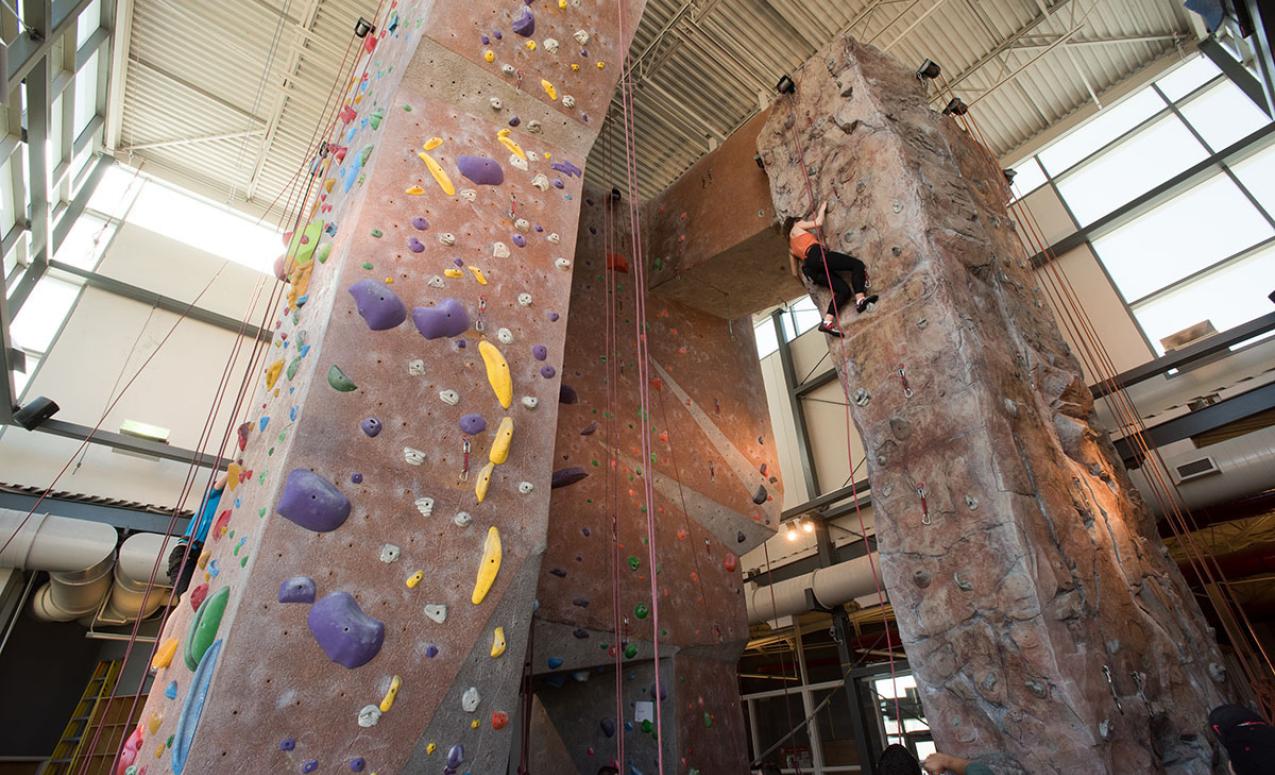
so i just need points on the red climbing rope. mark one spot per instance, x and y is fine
(876, 578)
(611, 458)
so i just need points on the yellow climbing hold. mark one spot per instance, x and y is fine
(387, 701)
(432, 143)
(562, 4)
(164, 656)
(531, 45)
(232, 476)
(453, 273)
(415, 579)
(478, 274)
(329, 184)
(488, 567)
(431, 748)
(504, 437)
(440, 175)
(549, 89)
(575, 67)
(514, 148)
(484, 481)
(498, 642)
(414, 191)
(602, 65)
(497, 373)
(489, 56)
(473, 724)
(153, 722)
(272, 373)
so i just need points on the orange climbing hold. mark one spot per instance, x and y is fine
(617, 263)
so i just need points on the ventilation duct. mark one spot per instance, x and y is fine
(1244, 466)
(831, 587)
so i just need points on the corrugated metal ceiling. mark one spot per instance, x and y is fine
(229, 94)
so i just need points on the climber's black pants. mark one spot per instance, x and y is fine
(813, 266)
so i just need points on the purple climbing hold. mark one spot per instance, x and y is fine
(580, 633)
(455, 755)
(608, 727)
(431, 650)
(548, 372)
(564, 477)
(586, 532)
(481, 170)
(514, 121)
(580, 602)
(347, 635)
(740, 537)
(298, 589)
(559, 572)
(557, 183)
(760, 496)
(447, 318)
(567, 394)
(379, 306)
(539, 228)
(356, 477)
(419, 223)
(460, 344)
(287, 744)
(357, 764)
(593, 230)
(312, 502)
(525, 24)
(589, 429)
(310, 765)
(496, 34)
(472, 424)
(458, 262)
(520, 240)
(415, 245)
(486, 40)
(539, 352)
(371, 426)
(567, 168)
(553, 317)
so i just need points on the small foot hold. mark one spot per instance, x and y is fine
(830, 329)
(864, 304)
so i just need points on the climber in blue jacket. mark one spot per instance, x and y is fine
(179, 572)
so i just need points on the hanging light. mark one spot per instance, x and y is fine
(791, 535)
(929, 70)
(808, 527)
(785, 85)
(362, 27)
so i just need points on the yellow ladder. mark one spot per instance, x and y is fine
(99, 687)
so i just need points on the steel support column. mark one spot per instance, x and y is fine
(794, 405)
(1236, 72)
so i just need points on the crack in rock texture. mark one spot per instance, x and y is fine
(1041, 566)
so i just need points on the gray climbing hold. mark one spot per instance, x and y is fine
(436, 612)
(861, 397)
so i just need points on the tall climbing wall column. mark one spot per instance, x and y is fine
(1037, 607)
(365, 598)
(717, 495)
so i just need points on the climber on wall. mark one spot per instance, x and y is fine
(808, 254)
(179, 572)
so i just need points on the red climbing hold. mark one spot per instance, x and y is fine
(730, 562)
(197, 596)
(617, 263)
(221, 525)
(347, 112)
(243, 435)
(369, 44)
(499, 719)
(657, 383)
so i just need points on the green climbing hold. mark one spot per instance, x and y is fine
(243, 561)
(659, 264)
(647, 726)
(293, 367)
(708, 720)
(303, 243)
(367, 264)
(376, 117)
(169, 742)
(630, 651)
(641, 611)
(596, 464)
(261, 512)
(378, 233)
(634, 562)
(321, 255)
(338, 380)
(203, 628)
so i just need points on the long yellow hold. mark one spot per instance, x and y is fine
(489, 567)
(432, 143)
(497, 373)
(514, 148)
(440, 174)
(498, 642)
(484, 481)
(504, 437)
(272, 373)
(478, 274)
(387, 701)
(549, 89)
(164, 656)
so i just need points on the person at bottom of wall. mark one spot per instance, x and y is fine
(179, 572)
(1248, 739)
(808, 256)
(897, 760)
(987, 764)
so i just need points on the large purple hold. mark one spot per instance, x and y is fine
(378, 305)
(473, 423)
(298, 589)
(447, 318)
(567, 168)
(539, 352)
(455, 755)
(481, 170)
(347, 635)
(525, 24)
(564, 477)
(608, 727)
(313, 502)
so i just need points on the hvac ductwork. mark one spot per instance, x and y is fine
(831, 587)
(1244, 466)
(80, 559)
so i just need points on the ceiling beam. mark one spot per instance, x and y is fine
(51, 20)
(191, 140)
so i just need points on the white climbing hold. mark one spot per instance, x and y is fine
(524, 299)
(413, 456)
(550, 45)
(389, 553)
(495, 103)
(469, 195)
(447, 238)
(435, 281)
(369, 716)
(508, 69)
(500, 250)
(470, 699)
(531, 402)
(505, 336)
(532, 156)
(449, 397)
(568, 101)
(554, 238)
(462, 519)
(416, 367)
(517, 161)
(522, 225)
(582, 37)
(425, 506)
(562, 263)
(437, 612)
(541, 182)
(526, 487)
(533, 126)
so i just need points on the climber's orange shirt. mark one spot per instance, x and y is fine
(800, 244)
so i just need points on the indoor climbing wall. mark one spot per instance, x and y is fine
(365, 598)
(1036, 604)
(717, 495)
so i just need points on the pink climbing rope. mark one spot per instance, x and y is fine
(876, 577)
(611, 482)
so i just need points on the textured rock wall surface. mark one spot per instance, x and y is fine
(713, 458)
(359, 612)
(1022, 566)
